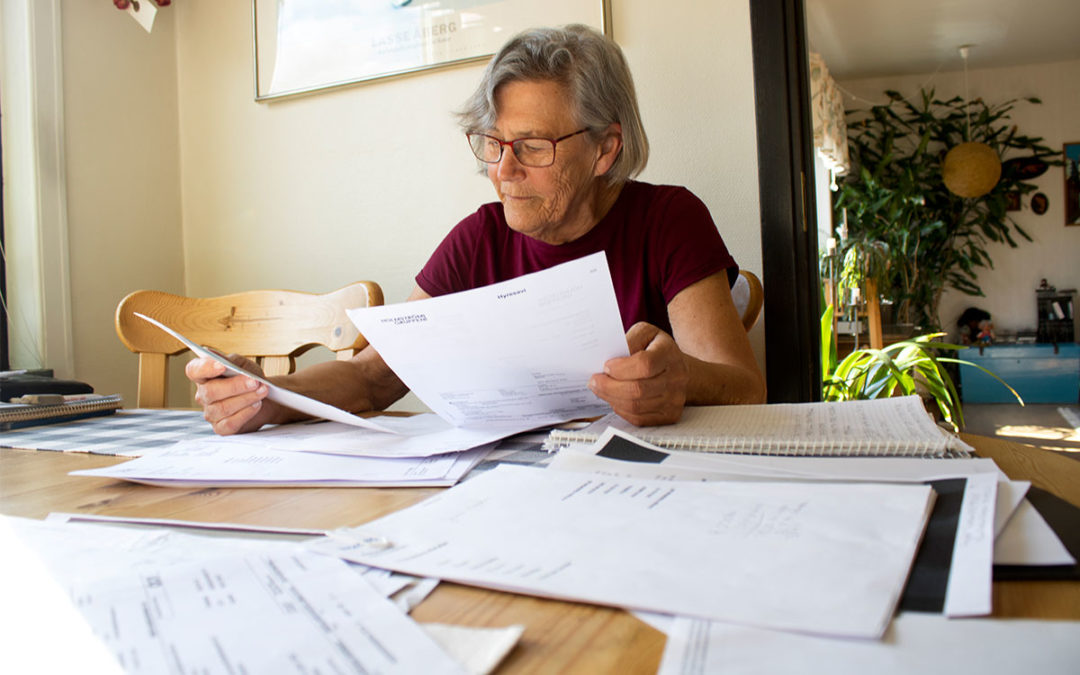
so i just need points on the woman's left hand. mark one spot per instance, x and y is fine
(648, 387)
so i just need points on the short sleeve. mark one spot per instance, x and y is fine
(690, 247)
(448, 270)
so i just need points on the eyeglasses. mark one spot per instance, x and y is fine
(534, 152)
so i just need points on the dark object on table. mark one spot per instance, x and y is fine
(21, 384)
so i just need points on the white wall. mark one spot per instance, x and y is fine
(123, 180)
(358, 183)
(1055, 252)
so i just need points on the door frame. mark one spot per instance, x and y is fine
(788, 211)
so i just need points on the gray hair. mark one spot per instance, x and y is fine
(593, 70)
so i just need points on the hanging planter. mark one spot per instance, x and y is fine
(971, 169)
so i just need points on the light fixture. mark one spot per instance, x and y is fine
(970, 169)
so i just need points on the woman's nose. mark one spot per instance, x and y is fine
(508, 166)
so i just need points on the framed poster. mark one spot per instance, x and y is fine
(303, 46)
(1072, 183)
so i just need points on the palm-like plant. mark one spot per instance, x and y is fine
(896, 197)
(906, 367)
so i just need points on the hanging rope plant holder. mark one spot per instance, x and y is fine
(970, 169)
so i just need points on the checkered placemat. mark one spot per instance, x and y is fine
(126, 432)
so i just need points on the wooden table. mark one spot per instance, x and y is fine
(559, 636)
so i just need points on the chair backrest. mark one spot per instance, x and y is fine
(270, 327)
(748, 297)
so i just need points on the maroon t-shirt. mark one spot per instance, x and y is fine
(659, 239)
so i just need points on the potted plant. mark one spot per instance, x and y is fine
(906, 367)
(926, 238)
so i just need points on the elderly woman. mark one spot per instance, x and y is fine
(555, 121)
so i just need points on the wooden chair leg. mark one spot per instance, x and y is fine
(153, 380)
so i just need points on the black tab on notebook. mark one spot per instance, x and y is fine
(620, 448)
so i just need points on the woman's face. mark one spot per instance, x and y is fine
(549, 203)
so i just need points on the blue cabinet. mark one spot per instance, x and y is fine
(1039, 372)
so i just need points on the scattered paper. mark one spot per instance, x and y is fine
(234, 606)
(929, 644)
(817, 557)
(1028, 540)
(421, 435)
(968, 592)
(234, 529)
(215, 463)
(479, 650)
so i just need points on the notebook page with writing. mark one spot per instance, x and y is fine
(894, 427)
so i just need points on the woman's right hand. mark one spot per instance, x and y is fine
(231, 405)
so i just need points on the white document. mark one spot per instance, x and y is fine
(214, 463)
(253, 614)
(1020, 539)
(480, 650)
(969, 588)
(515, 355)
(1028, 540)
(287, 398)
(230, 606)
(927, 644)
(406, 591)
(41, 631)
(1010, 494)
(236, 529)
(971, 572)
(816, 557)
(421, 435)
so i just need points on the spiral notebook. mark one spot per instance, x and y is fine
(890, 427)
(16, 416)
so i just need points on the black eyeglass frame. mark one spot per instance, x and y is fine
(514, 145)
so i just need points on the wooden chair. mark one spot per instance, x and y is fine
(270, 327)
(749, 297)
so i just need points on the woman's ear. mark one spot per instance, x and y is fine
(609, 149)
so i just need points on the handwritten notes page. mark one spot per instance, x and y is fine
(516, 354)
(821, 558)
(896, 426)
